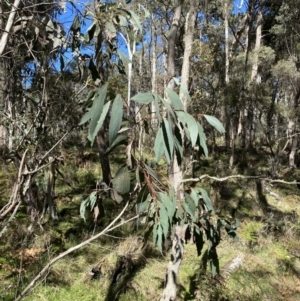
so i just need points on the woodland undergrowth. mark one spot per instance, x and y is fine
(263, 264)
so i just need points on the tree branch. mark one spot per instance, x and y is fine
(238, 177)
(8, 26)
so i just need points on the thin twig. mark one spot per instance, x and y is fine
(238, 177)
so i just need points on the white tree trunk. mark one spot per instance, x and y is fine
(9, 24)
(153, 74)
(175, 171)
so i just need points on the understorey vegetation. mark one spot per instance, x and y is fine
(149, 150)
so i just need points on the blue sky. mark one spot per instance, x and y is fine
(67, 17)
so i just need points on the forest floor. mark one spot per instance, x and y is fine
(263, 264)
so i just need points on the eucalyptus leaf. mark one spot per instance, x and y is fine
(164, 219)
(123, 21)
(123, 57)
(189, 200)
(175, 100)
(75, 27)
(95, 111)
(93, 134)
(167, 202)
(121, 182)
(119, 140)
(143, 98)
(168, 140)
(159, 238)
(135, 20)
(206, 200)
(202, 138)
(193, 129)
(153, 174)
(215, 123)
(194, 195)
(116, 118)
(159, 145)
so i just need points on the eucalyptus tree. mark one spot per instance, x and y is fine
(286, 78)
(166, 203)
(31, 107)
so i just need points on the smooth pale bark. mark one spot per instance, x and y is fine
(254, 71)
(229, 125)
(131, 51)
(9, 24)
(293, 131)
(175, 171)
(153, 68)
(255, 79)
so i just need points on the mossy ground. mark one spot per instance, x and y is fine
(268, 242)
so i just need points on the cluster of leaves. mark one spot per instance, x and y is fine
(160, 204)
(108, 20)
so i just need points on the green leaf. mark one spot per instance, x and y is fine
(95, 111)
(206, 200)
(215, 123)
(116, 197)
(176, 102)
(194, 195)
(193, 129)
(90, 32)
(116, 118)
(93, 134)
(135, 19)
(123, 57)
(87, 116)
(153, 174)
(93, 199)
(189, 206)
(168, 107)
(159, 145)
(122, 21)
(168, 140)
(121, 182)
(62, 63)
(182, 116)
(83, 207)
(110, 27)
(88, 202)
(143, 199)
(202, 138)
(119, 140)
(164, 219)
(159, 238)
(75, 27)
(170, 206)
(143, 98)
(189, 200)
